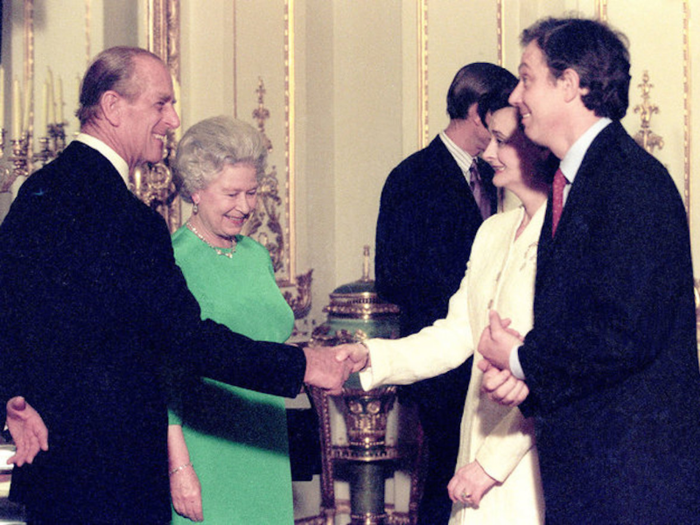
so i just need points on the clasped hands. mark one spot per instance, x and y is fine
(495, 345)
(496, 342)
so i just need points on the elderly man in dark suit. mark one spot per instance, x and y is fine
(432, 205)
(95, 312)
(610, 367)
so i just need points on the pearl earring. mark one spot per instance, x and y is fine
(195, 208)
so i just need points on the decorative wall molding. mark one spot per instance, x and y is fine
(422, 40)
(687, 108)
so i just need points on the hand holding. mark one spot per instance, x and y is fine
(325, 371)
(469, 484)
(186, 493)
(497, 340)
(28, 431)
(501, 386)
(356, 355)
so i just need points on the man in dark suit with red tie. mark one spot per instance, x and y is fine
(431, 207)
(610, 367)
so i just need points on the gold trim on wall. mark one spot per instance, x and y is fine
(500, 33)
(158, 190)
(422, 30)
(290, 135)
(164, 32)
(601, 7)
(88, 29)
(235, 60)
(687, 137)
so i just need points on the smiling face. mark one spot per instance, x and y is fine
(538, 97)
(226, 203)
(513, 157)
(146, 118)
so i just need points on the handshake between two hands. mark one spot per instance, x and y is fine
(326, 368)
(330, 367)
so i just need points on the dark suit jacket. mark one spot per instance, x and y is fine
(611, 361)
(94, 310)
(427, 222)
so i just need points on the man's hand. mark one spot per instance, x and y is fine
(28, 431)
(497, 341)
(186, 492)
(356, 355)
(324, 370)
(469, 484)
(501, 386)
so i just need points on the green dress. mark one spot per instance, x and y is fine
(237, 438)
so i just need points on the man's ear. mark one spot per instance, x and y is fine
(111, 104)
(571, 83)
(473, 115)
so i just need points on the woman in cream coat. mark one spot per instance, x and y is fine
(497, 478)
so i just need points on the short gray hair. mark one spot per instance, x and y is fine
(113, 69)
(210, 145)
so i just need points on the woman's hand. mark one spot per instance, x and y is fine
(469, 484)
(186, 492)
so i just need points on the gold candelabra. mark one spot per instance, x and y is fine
(23, 160)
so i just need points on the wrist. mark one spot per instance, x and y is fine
(181, 467)
(367, 362)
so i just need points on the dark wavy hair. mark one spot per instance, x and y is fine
(596, 52)
(473, 82)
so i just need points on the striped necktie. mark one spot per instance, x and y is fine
(477, 187)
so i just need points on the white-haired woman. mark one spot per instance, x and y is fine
(236, 438)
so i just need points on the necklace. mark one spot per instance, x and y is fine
(228, 252)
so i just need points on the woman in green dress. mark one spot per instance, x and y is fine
(236, 438)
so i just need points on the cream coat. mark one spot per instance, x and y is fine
(501, 276)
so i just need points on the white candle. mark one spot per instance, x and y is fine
(28, 99)
(45, 99)
(177, 134)
(60, 101)
(16, 110)
(137, 181)
(52, 104)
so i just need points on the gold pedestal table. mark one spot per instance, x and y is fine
(355, 314)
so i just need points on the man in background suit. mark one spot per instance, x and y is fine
(432, 205)
(611, 362)
(95, 312)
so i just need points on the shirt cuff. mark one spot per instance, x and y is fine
(514, 363)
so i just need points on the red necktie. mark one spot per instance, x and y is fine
(557, 198)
